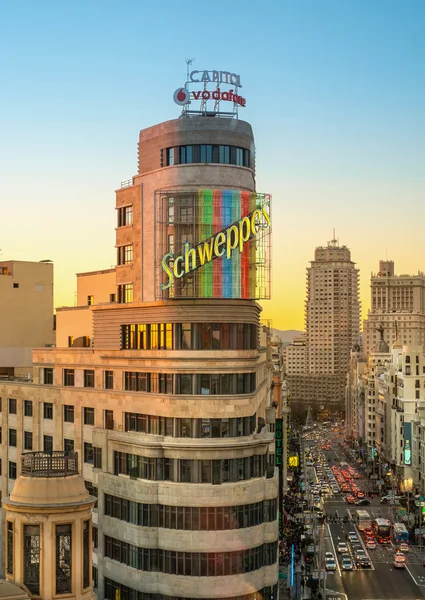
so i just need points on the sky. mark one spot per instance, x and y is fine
(335, 94)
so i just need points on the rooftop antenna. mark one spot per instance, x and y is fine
(189, 61)
(334, 241)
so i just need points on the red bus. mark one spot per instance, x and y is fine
(382, 530)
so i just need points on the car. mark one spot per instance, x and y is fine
(360, 554)
(364, 562)
(390, 499)
(352, 536)
(404, 547)
(360, 494)
(329, 555)
(347, 565)
(342, 547)
(316, 499)
(399, 561)
(371, 545)
(350, 499)
(330, 564)
(363, 502)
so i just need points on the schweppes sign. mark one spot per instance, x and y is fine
(220, 245)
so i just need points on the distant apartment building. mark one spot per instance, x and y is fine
(332, 317)
(26, 314)
(398, 304)
(391, 387)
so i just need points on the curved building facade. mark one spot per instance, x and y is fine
(170, 408)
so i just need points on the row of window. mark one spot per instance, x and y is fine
(141, 423)
(63, 556)
(189, 336)
(162, 383)
(207, 153)
(192, 471)
(193, 564)
(191, 428)
(114, 590)
(189, 384)
(191, 518)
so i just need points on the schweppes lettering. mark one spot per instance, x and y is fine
(222, 244)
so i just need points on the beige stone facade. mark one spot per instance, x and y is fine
(170, 407)
(398, 305)
(26, 313)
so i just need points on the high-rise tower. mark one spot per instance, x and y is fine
(332, 317)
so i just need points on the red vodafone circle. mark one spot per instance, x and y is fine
(181, 96)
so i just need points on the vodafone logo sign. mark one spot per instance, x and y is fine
(181, 96)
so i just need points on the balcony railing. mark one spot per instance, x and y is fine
(49, 464)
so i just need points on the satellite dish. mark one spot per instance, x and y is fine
(322, 407)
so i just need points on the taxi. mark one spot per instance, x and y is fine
(404, 547)
(399, 561)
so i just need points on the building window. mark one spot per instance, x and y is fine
(70, 341)
(109, 419)
(170, 157)
(48, 410)
(92, 490)
(97, 462)
(86, 554)
(109, 380)
(125, 255)
(12, 406)
(206, 153)
(16, 285)
(88, 415)
(125, 216)
(63, 559)
(89, 378)
(27, 440)
(125, 293)
(12, 470)
(48, 376)
(10, 547)
(90, 300)
(68, 413)
(68, 445)
(95, 537)
(32, 558)
(68, 377)
(27, 408)
(48, 443)
(112, 297)
(88, 453)
(12, 438)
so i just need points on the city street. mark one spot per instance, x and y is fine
(382, 581)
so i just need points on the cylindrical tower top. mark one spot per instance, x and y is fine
(185, 137)
(48, 528)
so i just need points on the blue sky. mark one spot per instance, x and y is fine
(335, 93)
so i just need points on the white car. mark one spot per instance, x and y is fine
(330, 564)
(329, 555)
(342, 547)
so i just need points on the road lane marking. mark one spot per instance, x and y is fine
(411, 575)
(333, 546)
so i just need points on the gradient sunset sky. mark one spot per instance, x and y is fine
(335, 93)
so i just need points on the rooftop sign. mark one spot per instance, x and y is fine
(204, 90)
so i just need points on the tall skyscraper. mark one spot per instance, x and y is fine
(165, 390)
(398, 304)
(332, 317)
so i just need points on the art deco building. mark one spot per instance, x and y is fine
(398, 304)
(162, 382)
(332, 316)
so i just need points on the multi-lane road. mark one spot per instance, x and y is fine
(382, 581)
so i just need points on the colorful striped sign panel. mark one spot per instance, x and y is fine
(213, 244)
